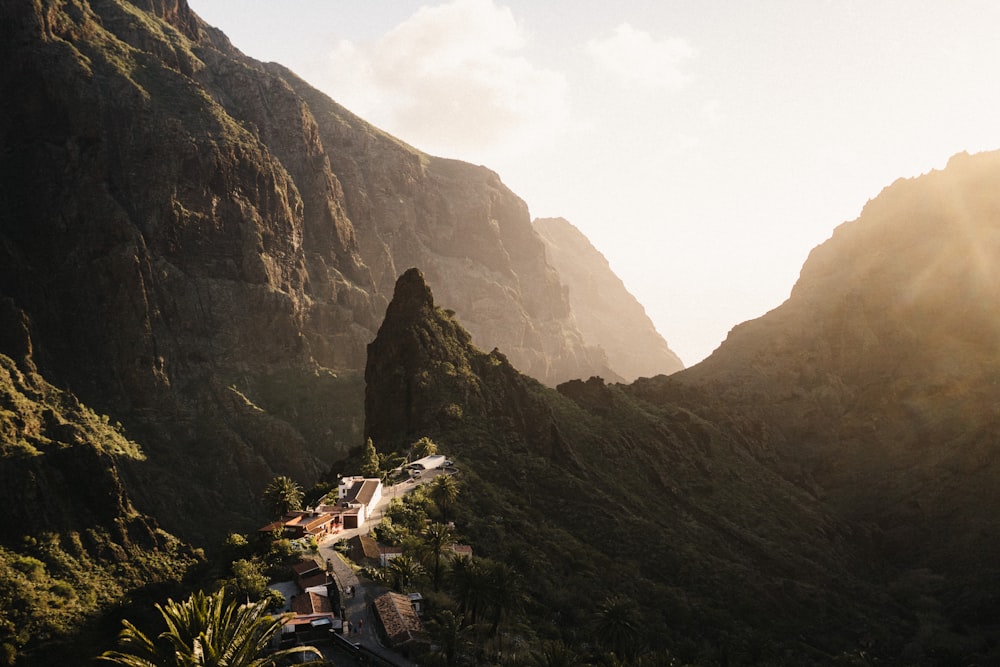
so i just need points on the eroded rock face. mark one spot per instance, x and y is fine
(606, 313)
(424, 375)
(161, 247)
(185, 229)
(469, 234)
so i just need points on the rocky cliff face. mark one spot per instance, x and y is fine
(161, 249)
(469, 234)
(606, 313)
(424, 375)
(188, 231)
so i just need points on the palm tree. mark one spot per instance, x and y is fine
(470, 582)
(437, 538)
(404, 570)
(619, 622)
(282, 495)
(387, 463)
(505, 592)
(423, 447)
(205, 631)
(443, 491)
(450, 638)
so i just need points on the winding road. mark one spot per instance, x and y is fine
(357, 608)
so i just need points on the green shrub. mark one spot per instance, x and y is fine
(32, 568)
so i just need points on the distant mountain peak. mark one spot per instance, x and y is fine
(607, 314)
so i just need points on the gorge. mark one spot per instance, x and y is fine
(211, 273)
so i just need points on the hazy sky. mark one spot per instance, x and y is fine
(705, 147)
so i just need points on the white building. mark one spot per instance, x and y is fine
(428, 463)
(358, 496)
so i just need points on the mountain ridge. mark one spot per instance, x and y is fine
(545, 471)
(188, 231)
(605, 310)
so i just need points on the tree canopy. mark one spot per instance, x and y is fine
(205, 630)
(423, 447)
(369, 460)
(281, 495)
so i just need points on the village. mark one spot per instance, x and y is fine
(331, 607)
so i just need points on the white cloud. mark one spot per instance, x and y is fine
(452, 80)
(634, 57)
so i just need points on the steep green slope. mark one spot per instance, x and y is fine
(595, 491)
(72, 544)
(875, 386)
(877, 378)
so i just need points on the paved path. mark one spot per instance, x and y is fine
(357, 608)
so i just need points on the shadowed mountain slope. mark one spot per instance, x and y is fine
(877, 379)
(202, 245)
(602, 491)
(72, 543)
(607, 314)
(874, 386)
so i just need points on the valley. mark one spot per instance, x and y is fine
(213, 275)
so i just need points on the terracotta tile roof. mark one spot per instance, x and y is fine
(306, 566)
(308, 521)
(461, 549)
(367, 491)
(311, 603)
(313, 580)
(273, 526)
(362, 493)
(307, 621)
(365, 546)
(314, 523)
(401, 623)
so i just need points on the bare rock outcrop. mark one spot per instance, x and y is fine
(469, 234)
(189, 233)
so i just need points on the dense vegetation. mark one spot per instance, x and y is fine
(206, 631)
(69, 551)
(598, 494)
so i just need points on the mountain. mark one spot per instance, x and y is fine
(877, 378)
(874, 386)
(196, 252)
(591, 490)
(606, 313)
(864, 408)
(466, 230)
(203, 245)
(72, 543)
